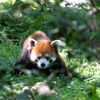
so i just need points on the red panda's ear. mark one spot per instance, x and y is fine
(32, 42)
(56, 42)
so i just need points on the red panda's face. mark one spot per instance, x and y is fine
(43, 53)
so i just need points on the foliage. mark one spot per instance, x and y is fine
(76, 25)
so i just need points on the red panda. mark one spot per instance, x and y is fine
(40, 54)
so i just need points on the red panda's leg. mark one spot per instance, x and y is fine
(63, 66)
(20, 63)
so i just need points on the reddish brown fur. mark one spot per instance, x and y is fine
(38, 35)
(43, 47)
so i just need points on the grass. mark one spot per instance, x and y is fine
(66, 88)
(72, 88)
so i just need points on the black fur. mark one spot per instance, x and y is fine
(24, 62)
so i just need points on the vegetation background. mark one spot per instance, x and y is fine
(77, 25)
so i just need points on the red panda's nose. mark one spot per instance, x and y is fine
(43, 64)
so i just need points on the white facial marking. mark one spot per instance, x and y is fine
(53, 58)
(33, 57)
(43, 63)
(39, 55)
(47, 55)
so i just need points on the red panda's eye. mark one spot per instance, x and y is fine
(36, 60)
(50, 60)
(47, 58)
(39, 57)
